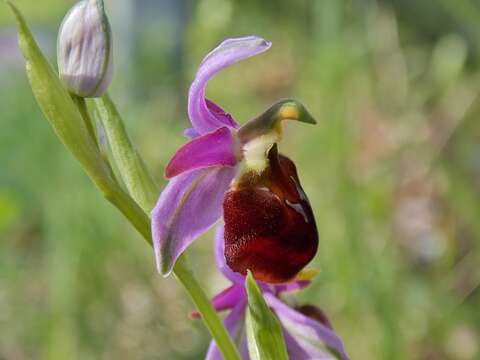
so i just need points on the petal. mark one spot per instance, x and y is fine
(219, 245)
(220, 114)
(215, 148)
(227, 299)
(298, 352)
(291, 286)
(315, 313)
(234, 325)
(190, 133)
(187, 207)
(309, 333)
(204, 115)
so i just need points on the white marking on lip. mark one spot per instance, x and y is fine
(300, 191)
(298, 208)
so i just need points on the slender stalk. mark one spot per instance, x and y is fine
(130, 209)
(82, 107)
(142, 188)
(209, 316)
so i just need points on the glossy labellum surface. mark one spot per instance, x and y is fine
(269, 225)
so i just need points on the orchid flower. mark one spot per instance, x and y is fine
(236, 172)
(307, 331)
(269, 226)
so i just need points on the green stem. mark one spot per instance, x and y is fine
(129, 209)
(205, 308)
(82, 107)
(142, 188)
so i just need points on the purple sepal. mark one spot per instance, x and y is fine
(204, 115)
(228, 298)
(298, 352)
(189, 205)
(225, 300)
(234, 325)
(215, 148)
(309, 332)
(291, 286)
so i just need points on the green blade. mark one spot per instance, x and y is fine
(264, 333)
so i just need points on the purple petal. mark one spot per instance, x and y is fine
(215, 148)
(204, 115)
(229, 298)
(220, 261)
(220, 114)
(234, 325)
(187, 207)
(291, 286)
(190, 133)
(307, 332)
(298, 352)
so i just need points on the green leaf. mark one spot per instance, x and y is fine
(131, 166)
(264, 333)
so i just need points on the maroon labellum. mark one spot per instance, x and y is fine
(269, 225)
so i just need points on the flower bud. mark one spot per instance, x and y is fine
(84, 49)
(269, 224)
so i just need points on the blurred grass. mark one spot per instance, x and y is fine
(45, 12)
(392, 171)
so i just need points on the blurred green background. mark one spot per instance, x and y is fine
(392, 171)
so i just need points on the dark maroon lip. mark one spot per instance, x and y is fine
(269, 224)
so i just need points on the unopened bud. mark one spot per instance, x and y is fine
(84, 49)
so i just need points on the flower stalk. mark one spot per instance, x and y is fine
(82, 107)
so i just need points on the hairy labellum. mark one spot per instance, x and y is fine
(269, 225)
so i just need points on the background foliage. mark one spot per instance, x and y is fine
(392, 170)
